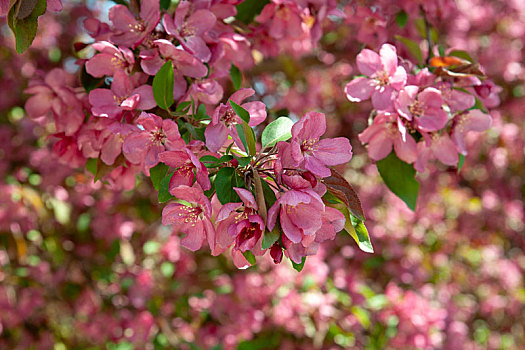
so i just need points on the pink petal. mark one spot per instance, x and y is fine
(406, 150)
(388, 55)
(369, 62)
(433, 119)
(257, 112)
(216, 135)
(247, 198)
(380, 146)
(359, 89)
(445, 151)
(334, 151)
(290, 230)
(383, 98)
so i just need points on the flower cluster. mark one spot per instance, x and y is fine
(422, 116)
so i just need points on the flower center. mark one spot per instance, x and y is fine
(187, 30)
(191, 215)
(157, 137)
(417, 109)
(382, 78)
(249, 232)
(228, 116)
(309, 145)
(137, 27)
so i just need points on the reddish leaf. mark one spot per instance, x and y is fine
(337, 185)
(447, 61)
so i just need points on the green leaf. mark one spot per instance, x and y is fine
(271, 237)
(461, 54)
(363, 239)
(236, 76)
(241, 112)
(269, 194)
(399, 178)
(401, 19)
(298, 267)
(461, 162)
(224, 183)
(412, 46)
(157, 173)
(249, 9)
(247, 137)
(91, 165)
(163, 86)
(201, 113)
(250, 257)
(243, 161)
(164, 189)
(240, 132)
(164, 4)
(183, 107)
(278, 130)
(22, 18)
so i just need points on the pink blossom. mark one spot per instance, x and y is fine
(187, 169)
(224, 119)
(315, 153)
(55, 96)
(123, 96)
(189, 30)
(473, 120)
(240, 223)
(158, 135)
(192, 219)
(424, 107)
(300, 214)
(385, 78)
(455, 99)
(109, 60)
(436, 146)
(130, 31)
(388, 130)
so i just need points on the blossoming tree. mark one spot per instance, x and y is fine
(246, 154)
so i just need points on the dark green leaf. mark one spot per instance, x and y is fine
(249, 9)
(157, 173)
(250, 257)
(243, 161)
(399, 178)
(299, 267)
(236, 76)
(269, 194)
(91, 165)
(401, 19)
(22, 18)
(163, 86)
(271, 237)
(164, 189)
(241, 112)
(412, 47)
(240, 132)
(164, 4)
(224, 186)
(88, 81)
(278, 130)
(201, 113)
(183, 107)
